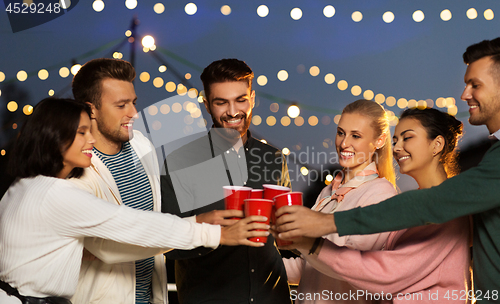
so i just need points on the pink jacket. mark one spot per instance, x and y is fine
(314, 283)
(427, 264)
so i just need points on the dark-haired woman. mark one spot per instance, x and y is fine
(45, 218)
(427, 264)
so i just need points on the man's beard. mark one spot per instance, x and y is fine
(241, 131)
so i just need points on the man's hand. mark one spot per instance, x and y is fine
(238, 233)
(219, 217)
(298, 221)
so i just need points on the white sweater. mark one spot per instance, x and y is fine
(43, 222)
(111, 278)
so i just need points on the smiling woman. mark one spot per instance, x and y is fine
(44, 218)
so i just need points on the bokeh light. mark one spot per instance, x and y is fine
(274, 107)
(388, 17)
(293, 111)
(329, 78)
(2, 76)
(471, 13)
(445, 15)
(356, 90)
(152, 110)
(170, 86)
(176, 107)
(12, 106)
(418, 16)
(314, 71)
(75, 68)
(296, 13)
(336, 119)
(390, 101)
(262, 80)
(159, 8)
(271, 120)
(64, 72)
(256, 120)
(304, 171)
(158, 82)
(368, 94)
(402, 103)
(22, 75)
(282, 75)
(313, 120)
(342, 85)
(131, 4)
(190, 8)
(144, 77)
(51, 92)
(329, 11)
(286, 121)
(225, 10)
(299, 121)
(165, 109)
(357, 16)
(43, 74)
(148, 41)
(98, 5)
(262, 11)
(379, 98)
(488, 15)
(162, 68)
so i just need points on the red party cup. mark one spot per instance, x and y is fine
(257, 193)
(270, 191)
(258, 206)
(286, 199)
(235, 196)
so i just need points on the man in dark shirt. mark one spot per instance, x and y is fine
(192, 185)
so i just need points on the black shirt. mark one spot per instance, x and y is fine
(228, 274)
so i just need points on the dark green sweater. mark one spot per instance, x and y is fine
(476, 192)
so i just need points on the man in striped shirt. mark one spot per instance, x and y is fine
(124, 170)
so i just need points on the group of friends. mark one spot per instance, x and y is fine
(78, 223)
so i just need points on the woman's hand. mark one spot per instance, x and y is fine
(298, 221)
(238, 233)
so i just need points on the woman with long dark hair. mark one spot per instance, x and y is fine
(45, 218)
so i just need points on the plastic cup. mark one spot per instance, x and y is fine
(235, 196)
(259, 206)
(286, 199)
(270, 191)
(257, 193)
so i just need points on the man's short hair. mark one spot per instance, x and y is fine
(87, 83)
(485, 48)
(226, 70)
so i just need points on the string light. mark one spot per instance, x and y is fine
(190, 8)
(98, 5)
(293, 111)
(262, 11)
(296, 13)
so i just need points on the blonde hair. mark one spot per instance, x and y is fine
(380, 124)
